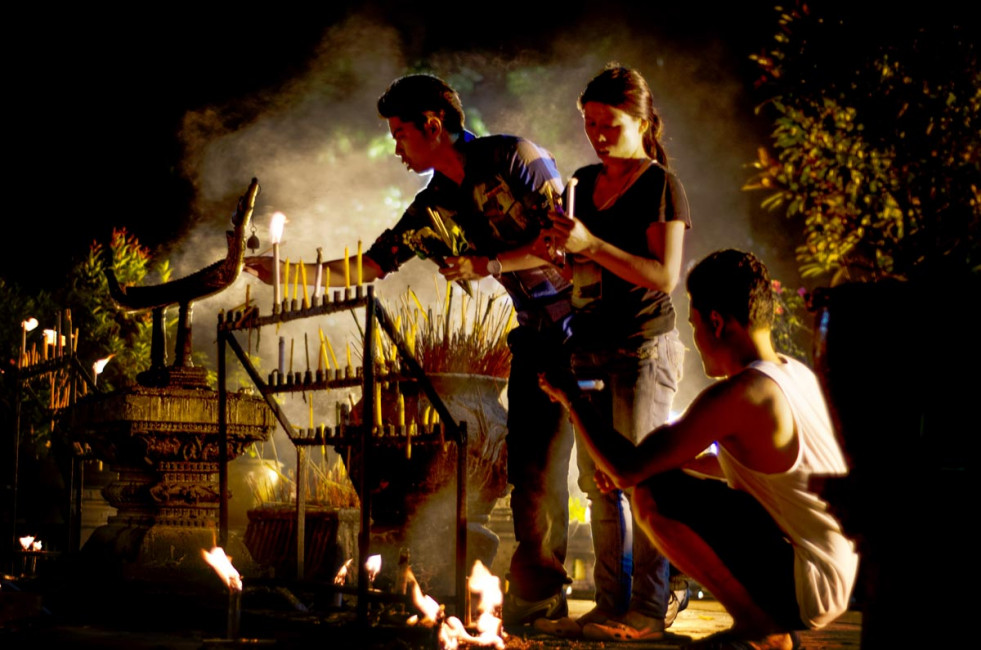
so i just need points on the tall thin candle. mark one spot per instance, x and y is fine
(319, 277)
(275, 234)
(347, 270)
(360, 271)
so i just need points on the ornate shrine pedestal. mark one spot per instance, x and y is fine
(163, 443)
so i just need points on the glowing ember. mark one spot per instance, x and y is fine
(341, 576)
(222, 565)
(29, 324)
(276, 224)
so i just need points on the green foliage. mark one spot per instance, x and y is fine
(792, 329)
(877, 143)
(104, 328)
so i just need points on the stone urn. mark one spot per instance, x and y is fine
(413, 495)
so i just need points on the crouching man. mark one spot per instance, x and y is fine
(760, 540)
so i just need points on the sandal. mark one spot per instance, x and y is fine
(616, 631)
(565, 628)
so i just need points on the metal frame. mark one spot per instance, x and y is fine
(358, 436)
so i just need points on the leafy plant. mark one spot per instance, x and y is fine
(876, 143)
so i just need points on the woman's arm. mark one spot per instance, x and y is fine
(660, 272)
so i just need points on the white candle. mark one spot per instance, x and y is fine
(275, 234)
(319, 278)
(572, 196)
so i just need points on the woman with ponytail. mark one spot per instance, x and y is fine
(625, 241)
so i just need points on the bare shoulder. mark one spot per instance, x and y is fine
(765, 437)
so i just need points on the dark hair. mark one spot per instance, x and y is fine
(409, 98)
(626, 89)
(733, 283)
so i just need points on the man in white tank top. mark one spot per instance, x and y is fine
(760, 540)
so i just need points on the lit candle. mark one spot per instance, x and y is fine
(25, 327)
(275, 234)
(401, 410)
(360, 272)
(378, 404)
(347, 270)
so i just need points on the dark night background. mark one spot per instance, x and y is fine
(95, 97)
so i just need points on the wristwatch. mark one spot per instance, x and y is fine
(494, 266)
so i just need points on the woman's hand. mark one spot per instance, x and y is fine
(571, 234)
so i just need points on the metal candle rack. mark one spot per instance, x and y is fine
(363, 436)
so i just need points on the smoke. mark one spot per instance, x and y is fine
(324, 158)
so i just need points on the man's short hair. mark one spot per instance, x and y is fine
(735, 284)
(411, 97)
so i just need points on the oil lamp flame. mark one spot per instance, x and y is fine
(222, 565)
(276, 224)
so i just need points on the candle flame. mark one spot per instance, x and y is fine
(222, 565)
(100, 365)
(373, 564)
(29, 324)
(26, 541)
(341, 576)
(276, 224)
(50, 336)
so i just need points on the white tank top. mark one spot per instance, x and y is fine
(826, 562)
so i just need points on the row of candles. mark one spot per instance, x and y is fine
(281, 284)
(284, 374)
(54, 345)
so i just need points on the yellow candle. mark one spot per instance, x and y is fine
(401, 410)
(303, 281)
(310, 404)
(330, 348)
(323, 364)
(360, 273)
(349, 355)
(347, 270)
(326, 277)
(378, 404)
(286, 279)
(296, 280)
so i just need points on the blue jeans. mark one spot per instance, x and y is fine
(539, 448)
(640, 385)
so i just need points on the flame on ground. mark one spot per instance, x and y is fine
(341, 578)
(452, 631)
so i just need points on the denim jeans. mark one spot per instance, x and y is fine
(539, 446)
(640, 385)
